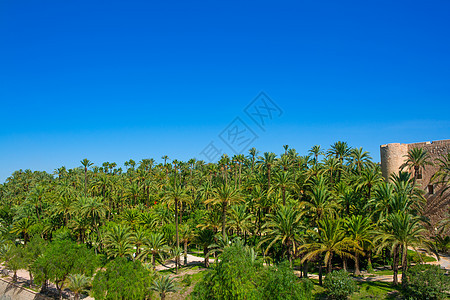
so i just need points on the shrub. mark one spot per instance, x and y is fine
(426, 282)
(280, 282)
(339, 285)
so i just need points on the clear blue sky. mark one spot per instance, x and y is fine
(114, 80)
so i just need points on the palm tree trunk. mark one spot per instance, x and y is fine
(185, 253)
(357, 271)
(344, 264)
(329, 265)
(205, 253)
(305, 269)
(224, 219)
(395, 265)
(320, 272)
(404, 265)
(284, 195)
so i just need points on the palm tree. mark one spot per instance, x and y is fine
(330, 240)
(417, 159)
(224, 195)
(369, 178)
(401, 231)
(23, 227)
(316, 151)
(442, 176)
(252, 153)
(239, 219)
(163, 285)
(154, 245)
(359, 159)
(360, 230)
(205, 238)
(285, 226)
(284, 180)
(187, 235)
(78, 283)
(94, 209)
(267, 161)
(86, 164)
(119, 241)
(175, 194)
(321, 202)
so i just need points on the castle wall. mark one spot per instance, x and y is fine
(392, 157)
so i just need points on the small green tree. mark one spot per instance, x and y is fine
(62, 258)
(122, 279)
(280, 282)
(339, 285)
(234, 277)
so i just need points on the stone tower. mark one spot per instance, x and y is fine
(392, 157)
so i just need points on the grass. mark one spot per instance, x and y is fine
(367, 290)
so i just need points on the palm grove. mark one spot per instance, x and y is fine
(325, 210)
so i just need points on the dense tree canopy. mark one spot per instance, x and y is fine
(328, 208)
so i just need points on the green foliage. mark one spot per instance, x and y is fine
(240, 275)
(414, 257)
(163, 285)
(280, 282)
(234, 277)
(339, 285)
(427, 282)
(62, 258)
(187, 280)
(122, 279)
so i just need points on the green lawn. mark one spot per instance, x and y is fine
(367, 290)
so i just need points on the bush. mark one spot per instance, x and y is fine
(339, 285)
(280, 282)
(426, 282)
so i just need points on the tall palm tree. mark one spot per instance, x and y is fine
(267, 161)
(359, 159)
(316, 151)
(401, 231)
(187, 235)
(285, 226)
(330, 240)
(360, 230)
(224, 195)
(154, 245)
(204, 238)
(417, 159)
(176, 194)
(320, 203)
(163, 285)
(93, 209)
(252, 153)
(86, 164)
(284, 180)
(239, 219)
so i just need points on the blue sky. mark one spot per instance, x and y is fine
(114, 80)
